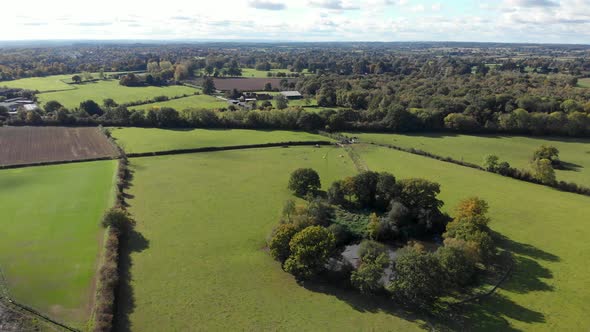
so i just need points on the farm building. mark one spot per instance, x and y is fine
(243, 104)
(291, 95)
(14, 104)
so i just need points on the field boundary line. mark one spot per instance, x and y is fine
(57, 162)
(225, 148)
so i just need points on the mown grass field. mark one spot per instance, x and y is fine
(584, 82)
(517, 150)
(134, 140)
(192, 102)
(546, 229)
(50, 235)
(100, 90)
(47, 83)
(199, 261)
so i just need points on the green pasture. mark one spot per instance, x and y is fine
(50, 235)
(546, 229)
(192, 102)
(47, 83)
(517, 150)
(100, 90)
(584, 82)
(198, 259)
(135, 140)
(255, 73)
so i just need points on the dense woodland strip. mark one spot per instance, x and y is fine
(386, 87)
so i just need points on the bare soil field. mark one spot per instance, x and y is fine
(248, 84)
(35, 145)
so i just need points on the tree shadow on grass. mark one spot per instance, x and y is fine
(125, 305)
(375, 304)
(567, 166)
(490, 313)
(523, 249)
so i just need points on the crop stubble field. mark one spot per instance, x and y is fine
(248, 84)
(30, 145)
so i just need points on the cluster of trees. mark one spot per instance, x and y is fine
(543, 164)
(308, 242)
(411, 206)
(498, 102)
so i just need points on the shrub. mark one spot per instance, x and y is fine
(118, 219)
(310, 250)
(342, 235)
(367, 278)
(457, 265)
(417, 277)
(279, 243)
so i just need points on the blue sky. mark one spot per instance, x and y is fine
(541, 21)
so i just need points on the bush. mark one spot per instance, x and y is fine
(417, 277)
(118, 219)
(456, 264)
(310, 250)
(342, 235)
(279, 243)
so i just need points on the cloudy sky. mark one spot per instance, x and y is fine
(545, 21)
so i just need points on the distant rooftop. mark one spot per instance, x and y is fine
(291, 93)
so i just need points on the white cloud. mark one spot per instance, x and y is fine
(505, 20)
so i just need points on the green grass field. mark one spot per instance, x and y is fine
(548, 232)
(196, 102)
(517, 150)
(251, 72)
(584, 82)
(200, 261)
(47, 83)
(50, 235)
(135, 140)
(100, 90)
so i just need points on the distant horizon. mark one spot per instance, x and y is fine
(512, 21)
(270, 41)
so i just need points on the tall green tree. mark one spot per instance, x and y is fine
(303, 181)
(310, 250)
(281, 101)
(417, 278)
(208, 86)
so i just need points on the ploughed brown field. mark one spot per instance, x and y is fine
(32, 145)
(248, 84)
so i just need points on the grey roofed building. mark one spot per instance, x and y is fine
(292, 94)
(14, 104)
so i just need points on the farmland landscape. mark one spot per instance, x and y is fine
(325, 165)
